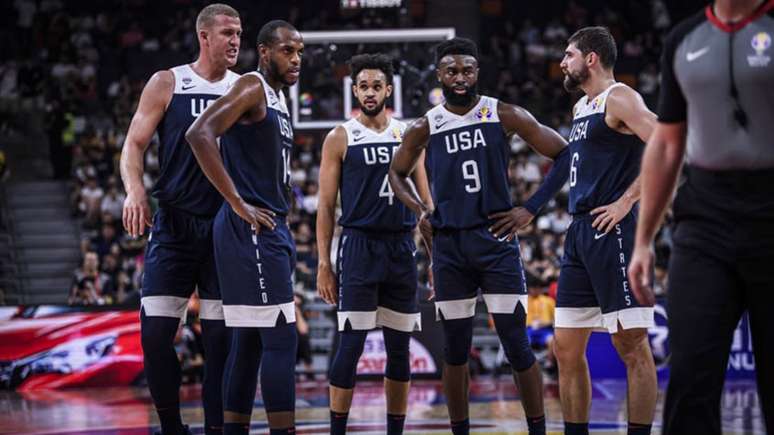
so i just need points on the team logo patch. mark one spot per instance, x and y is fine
(760, 43)
(356, 132)
(484, 114)
(187, 80)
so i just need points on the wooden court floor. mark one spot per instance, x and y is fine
(495, 409)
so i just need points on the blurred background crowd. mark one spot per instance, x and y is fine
(81, 66)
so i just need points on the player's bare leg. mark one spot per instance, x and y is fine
(642, 389)
(574, 381)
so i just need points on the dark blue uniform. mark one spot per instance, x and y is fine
(376, 262)
(593, 287)
(255, 269)
(179, 256)
(467, 164)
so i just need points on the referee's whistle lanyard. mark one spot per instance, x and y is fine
(739, 114)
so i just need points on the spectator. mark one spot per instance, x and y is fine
(89, 284)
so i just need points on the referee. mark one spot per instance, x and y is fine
(717, 108)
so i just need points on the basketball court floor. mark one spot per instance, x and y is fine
(494, 409)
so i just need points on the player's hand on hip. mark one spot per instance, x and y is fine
(640, 275)
(609, 215)
(430, 282)
(256, 216)
(508, 222)
(326, 283)
(136, 213)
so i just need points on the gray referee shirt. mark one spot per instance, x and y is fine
(696, 87)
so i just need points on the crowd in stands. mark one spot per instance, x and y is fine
(84, 64)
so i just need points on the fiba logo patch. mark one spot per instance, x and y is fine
(761, 42)
(484, 114)
(396, 133)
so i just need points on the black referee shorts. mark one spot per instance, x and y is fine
(722, 264)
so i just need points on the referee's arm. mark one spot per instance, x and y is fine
(661, 164)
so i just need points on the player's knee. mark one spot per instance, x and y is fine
(398, 364)
(568, 353)
(458, 335)
(631, 345)
(344, 365)
(513, 334)
(158, 333)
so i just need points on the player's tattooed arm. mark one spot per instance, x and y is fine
(627, 113)
(404, 162)
(333, 151)
(245, 100)
(153, 103)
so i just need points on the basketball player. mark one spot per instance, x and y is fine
(377, 272)
(254, 249)
(610, 124)
(467, 147)
(179, 255)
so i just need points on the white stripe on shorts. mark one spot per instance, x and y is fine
(592, 317)
(406, 322)
(211, 309)
(164, 306)
(456, 309)
(258, 316)
(504, 303)
(358, 320)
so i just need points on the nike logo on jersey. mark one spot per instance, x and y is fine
(599, 236)
(693, 55)
(437, 126)
(185, 88)
(358, 139)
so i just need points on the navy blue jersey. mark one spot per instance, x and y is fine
(257, 156)
(604, 162)
(182, 184)
(467, 164)
(367, 201)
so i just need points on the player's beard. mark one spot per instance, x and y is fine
(455, 99)
(273, 71)
(375, 111)
(574, 80)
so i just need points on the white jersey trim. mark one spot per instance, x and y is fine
(273, 101)
(188, 82)
(359, 134)
(439, 119)
(584, 108)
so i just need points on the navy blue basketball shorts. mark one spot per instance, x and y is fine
(471, 259)
(593, 285)
(178, 260)
(254, 271)
(377, 276)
